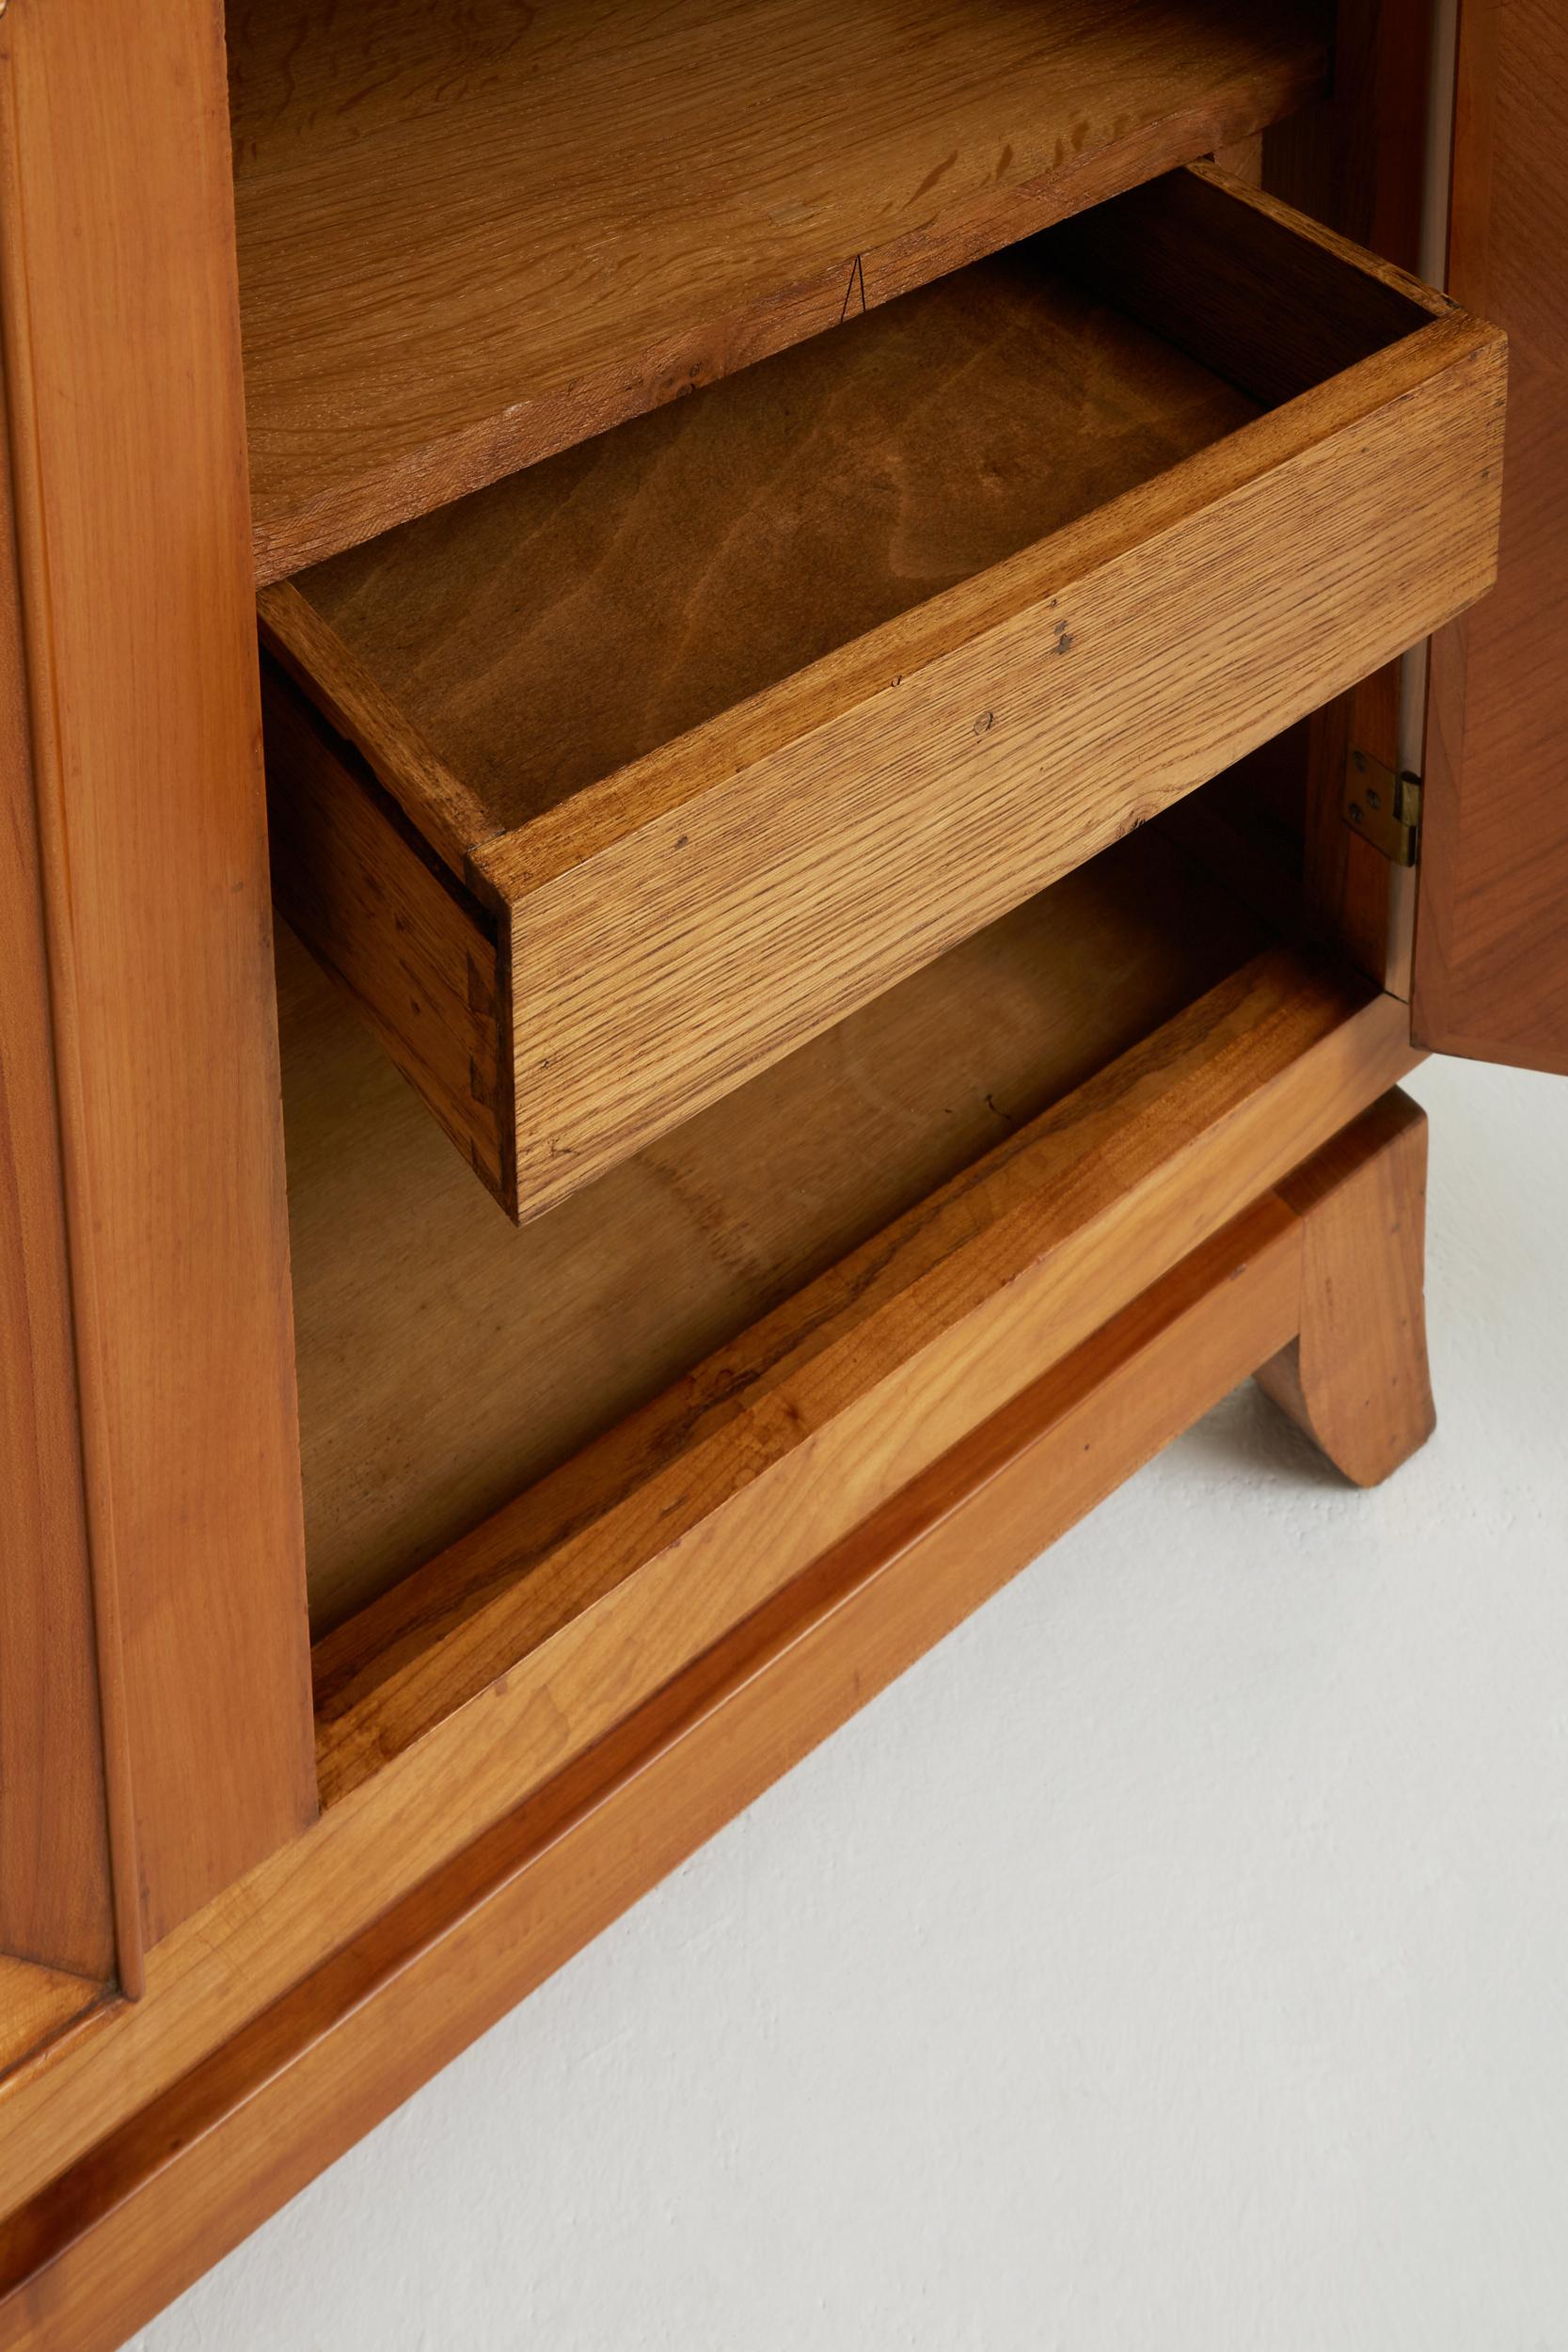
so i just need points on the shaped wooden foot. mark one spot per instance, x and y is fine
(1357, 1379)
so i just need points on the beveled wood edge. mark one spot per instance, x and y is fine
(174, 2185)
(805, 1395)
(57, 1888)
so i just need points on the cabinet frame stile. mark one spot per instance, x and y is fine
(135, 609)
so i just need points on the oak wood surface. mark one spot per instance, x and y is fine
(580, 1595)
(1318, 1054)
(1256, 292)
(56, 1899)
(1355, 1375)
(249, 1940)
(471, 236)
(677, 924)
(412, 948)
(530, 1343)
(1492, 929)
(448, 1360)
(578, 616)
(122, 379)
(139, 2215)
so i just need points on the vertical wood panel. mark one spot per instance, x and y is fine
(1357, 161)
(1491, 940)
(1355, 1375)
(55, 1896)
(128, 441)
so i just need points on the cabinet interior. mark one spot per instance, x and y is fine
(448, 1359)
(665, 194)
(498, 507)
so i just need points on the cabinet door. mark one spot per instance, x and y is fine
(147, 1374)
(1491, 977)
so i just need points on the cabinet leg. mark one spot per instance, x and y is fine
(1356, 1379)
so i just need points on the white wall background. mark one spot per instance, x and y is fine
(1176, 1960)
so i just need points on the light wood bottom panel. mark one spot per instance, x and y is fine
(577, 1598)
(1091, 1205)
(178, 2183)
(448, 1360)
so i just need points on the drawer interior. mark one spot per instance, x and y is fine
(797, 555)
(578, 616)
(448, 1360)
(569, 620)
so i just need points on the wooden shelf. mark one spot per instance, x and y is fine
(471, 236)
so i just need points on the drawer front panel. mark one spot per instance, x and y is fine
(662, 970)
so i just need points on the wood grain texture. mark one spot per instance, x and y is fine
(448, 1360)
(413, 949)
(582, 1596)
(220, 1970)
(1353, 157)
(689, 917)
(729, 927)
(139, 2215)
(1260, 296)
(593, 608)
(56, 1899)
(38, 2005)
(1357, 159)
(1355, 1375)
(1492, 933)
(127, 434)
(472, 236)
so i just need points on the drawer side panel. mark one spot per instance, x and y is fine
(416, 953)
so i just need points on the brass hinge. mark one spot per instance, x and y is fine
(1383, 805)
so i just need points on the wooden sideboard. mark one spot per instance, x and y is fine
(742, 747)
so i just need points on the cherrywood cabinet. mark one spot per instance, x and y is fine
(826, 611)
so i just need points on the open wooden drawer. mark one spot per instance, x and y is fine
(610, 784)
